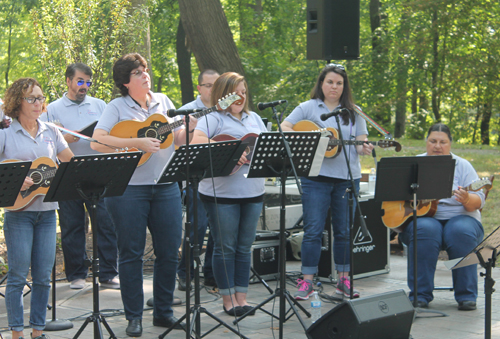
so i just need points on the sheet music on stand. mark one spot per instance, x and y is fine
(91, 173)
(200, 154)
(12, 175)
(486, 248)
(308, 150)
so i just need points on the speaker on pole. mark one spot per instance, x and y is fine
(383, 316)
(332, 29)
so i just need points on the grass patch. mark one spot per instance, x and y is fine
(485, 159)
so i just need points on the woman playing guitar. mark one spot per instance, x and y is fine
(328, 190)
(234, 210)
(456, 227)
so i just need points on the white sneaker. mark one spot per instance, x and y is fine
(77, 284)
(112, 283)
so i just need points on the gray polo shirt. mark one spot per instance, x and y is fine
(75, 117)
(332, 167)
(464, 175)
(235, 186)
(197, 103)
(17, 143)
(125, 108)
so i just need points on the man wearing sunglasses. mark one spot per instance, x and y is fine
(76, 110)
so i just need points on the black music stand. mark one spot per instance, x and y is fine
(412, 179)
(270, 159)
(485, 254)
(93, 177)
(205, 161)
(12, 175)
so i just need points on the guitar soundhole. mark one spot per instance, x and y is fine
(151, 133)
(36, 177)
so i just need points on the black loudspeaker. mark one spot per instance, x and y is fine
(332, 29)
(383, 316)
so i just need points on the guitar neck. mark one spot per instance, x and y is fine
(178, 123)
(351, 142)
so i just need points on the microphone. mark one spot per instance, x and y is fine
(263, 105)
(174, 112)
(336, 111)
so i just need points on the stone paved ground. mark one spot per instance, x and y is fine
(76, 305)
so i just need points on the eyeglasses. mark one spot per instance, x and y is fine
(32, 100)
(207, 85)
(138, 73)
(81, 82)
(342, 68)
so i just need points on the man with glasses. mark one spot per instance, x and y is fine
(74, 111)
(206, 81)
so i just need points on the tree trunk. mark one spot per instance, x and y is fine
(485, 125)
(184, 63)
(402, 79)
(435, 66)
(210, 37)
(374, 22)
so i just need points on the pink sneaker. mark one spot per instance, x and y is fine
(344, 287)
(305, 289)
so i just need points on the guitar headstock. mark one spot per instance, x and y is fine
(390, 143)
(486, 183)
(228, 100)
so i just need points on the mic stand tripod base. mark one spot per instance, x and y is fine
(58, 325)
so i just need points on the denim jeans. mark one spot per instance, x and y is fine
(72, 222)
(30, 239)
(458, 236)
(157, 207)
(233, 227)
(202, 230)
(318, 197)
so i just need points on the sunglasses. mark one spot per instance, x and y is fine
(342, 68)
(81, 82)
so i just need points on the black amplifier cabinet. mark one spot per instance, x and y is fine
(265, 253)
(371, 252)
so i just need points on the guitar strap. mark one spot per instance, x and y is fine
(372, 122)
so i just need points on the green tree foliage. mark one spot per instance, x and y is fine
(88, 31)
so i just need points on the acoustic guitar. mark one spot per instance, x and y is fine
(248, 139)
(42, 171)
(397, 214)
(157, 126)
(335, 144)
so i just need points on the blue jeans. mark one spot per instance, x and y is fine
(318, 197)
(31, 240)
(202, 229)
(72, 222)
(233, 227)
(458, 236)
(157, 207)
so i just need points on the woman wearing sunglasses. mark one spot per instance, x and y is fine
(328, 190)
(30, 233)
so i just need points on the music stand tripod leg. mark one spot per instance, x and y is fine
(96, 316)
(257, 275)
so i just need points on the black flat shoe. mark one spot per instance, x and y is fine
(248, 308)
(134, 328)
(467, 305)
(168, 322)
(422, 304)
(235, 311)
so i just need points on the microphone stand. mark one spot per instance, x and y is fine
(352, 192)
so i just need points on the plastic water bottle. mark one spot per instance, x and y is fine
(315, 307)
(371, 181)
